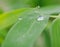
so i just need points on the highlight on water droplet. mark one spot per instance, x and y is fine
(19, 18)
(40, 18)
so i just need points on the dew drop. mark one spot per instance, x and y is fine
(20, 18)
(40, 18)
(38, 7)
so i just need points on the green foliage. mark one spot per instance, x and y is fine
(8, 19)
(1, 11)
(24, 32)
(29, 23)
(55, 33)
(49, 2)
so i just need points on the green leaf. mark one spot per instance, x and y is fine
(3, 32)
(43, 40)
(8, 19)
(52, 9)
(49, 2)
(27, 29)
(55, 33)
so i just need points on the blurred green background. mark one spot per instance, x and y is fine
(8, 5)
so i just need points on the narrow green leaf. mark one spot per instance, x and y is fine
(53, 9)
(3, 32)
(8, 19)
(49, 2)
(47, 35)
(43, 40)
(27, 29)
(55, 33)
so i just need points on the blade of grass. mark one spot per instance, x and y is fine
(55, 33)
(53, 9)
(8, 19)
(25, 32)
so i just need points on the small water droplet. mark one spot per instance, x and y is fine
(38, 7)
(40, 18)
(20, 18)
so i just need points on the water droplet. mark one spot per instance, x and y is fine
(20, 18)
(40, 18)
(38, 7)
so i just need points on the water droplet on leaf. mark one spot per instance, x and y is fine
(20, 18)
(38, 7)
(40, 18)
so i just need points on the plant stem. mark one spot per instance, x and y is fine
(54, 16)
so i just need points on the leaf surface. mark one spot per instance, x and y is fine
(55, 33)
(27, 29)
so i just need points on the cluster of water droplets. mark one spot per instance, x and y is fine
(40, 18)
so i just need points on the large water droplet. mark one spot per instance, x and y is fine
(19, 18)
(40, 18)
